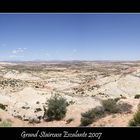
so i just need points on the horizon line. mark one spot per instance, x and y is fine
(66, 60)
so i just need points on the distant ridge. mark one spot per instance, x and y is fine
(70, 61)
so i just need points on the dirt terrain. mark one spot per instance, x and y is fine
(26, 86)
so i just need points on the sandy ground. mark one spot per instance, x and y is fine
(74, 111)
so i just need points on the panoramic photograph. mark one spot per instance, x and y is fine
(69, 70)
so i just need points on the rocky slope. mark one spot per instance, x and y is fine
(25, 88)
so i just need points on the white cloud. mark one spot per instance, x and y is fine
(18, 50)
(17, 53)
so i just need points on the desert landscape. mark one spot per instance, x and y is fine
(26, 86)
(69, 70)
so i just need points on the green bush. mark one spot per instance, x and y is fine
(56, 108)
(138, 106)
(99, 111)
(3, 107)
(110, 106)
(136, 119)
(86, 121)
(91, 115)
(137, 96)
(87, 117)
(5, 124)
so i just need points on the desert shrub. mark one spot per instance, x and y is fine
(124, 108)
(69, 120)
(86, 121)
(122, 96)
(138, 106)
(5, 124)
(137, 96)
(87, 117)
(136, 119)
(110, 106)
(56, 108)
(99, 111)
(3, 107)
(132, 123)
(91, 115)
(117, 99)
(71, 102)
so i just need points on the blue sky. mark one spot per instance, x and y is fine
(69, 36)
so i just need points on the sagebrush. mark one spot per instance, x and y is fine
(91, 115)
(136, 118)
(110, 106)
(57, 108)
